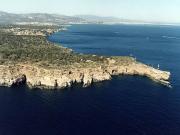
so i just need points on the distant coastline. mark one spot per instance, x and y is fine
(56, 19)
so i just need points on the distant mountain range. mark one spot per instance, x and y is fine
(56, 19)
(37, 18)
(99, 19)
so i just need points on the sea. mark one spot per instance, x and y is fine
(126, 105)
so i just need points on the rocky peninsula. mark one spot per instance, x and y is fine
(30, 59)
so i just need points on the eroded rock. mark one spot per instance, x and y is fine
(39, 77)
(19, 81)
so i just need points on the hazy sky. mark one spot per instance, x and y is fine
(149, 10)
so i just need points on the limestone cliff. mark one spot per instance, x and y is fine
(40, 77)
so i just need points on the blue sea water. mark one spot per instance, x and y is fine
(126, 105)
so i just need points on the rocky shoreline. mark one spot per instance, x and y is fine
(40, 64)
(39, 77)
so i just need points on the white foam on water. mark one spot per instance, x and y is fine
(168, 37)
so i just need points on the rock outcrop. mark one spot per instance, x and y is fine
(39, 77)
(21, 80)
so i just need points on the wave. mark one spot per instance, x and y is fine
(168, 37)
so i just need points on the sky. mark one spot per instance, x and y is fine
(146, 10)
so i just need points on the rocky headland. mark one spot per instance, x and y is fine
(41, 64)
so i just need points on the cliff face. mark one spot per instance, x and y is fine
(39, 77)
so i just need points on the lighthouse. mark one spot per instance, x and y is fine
(158, 66)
